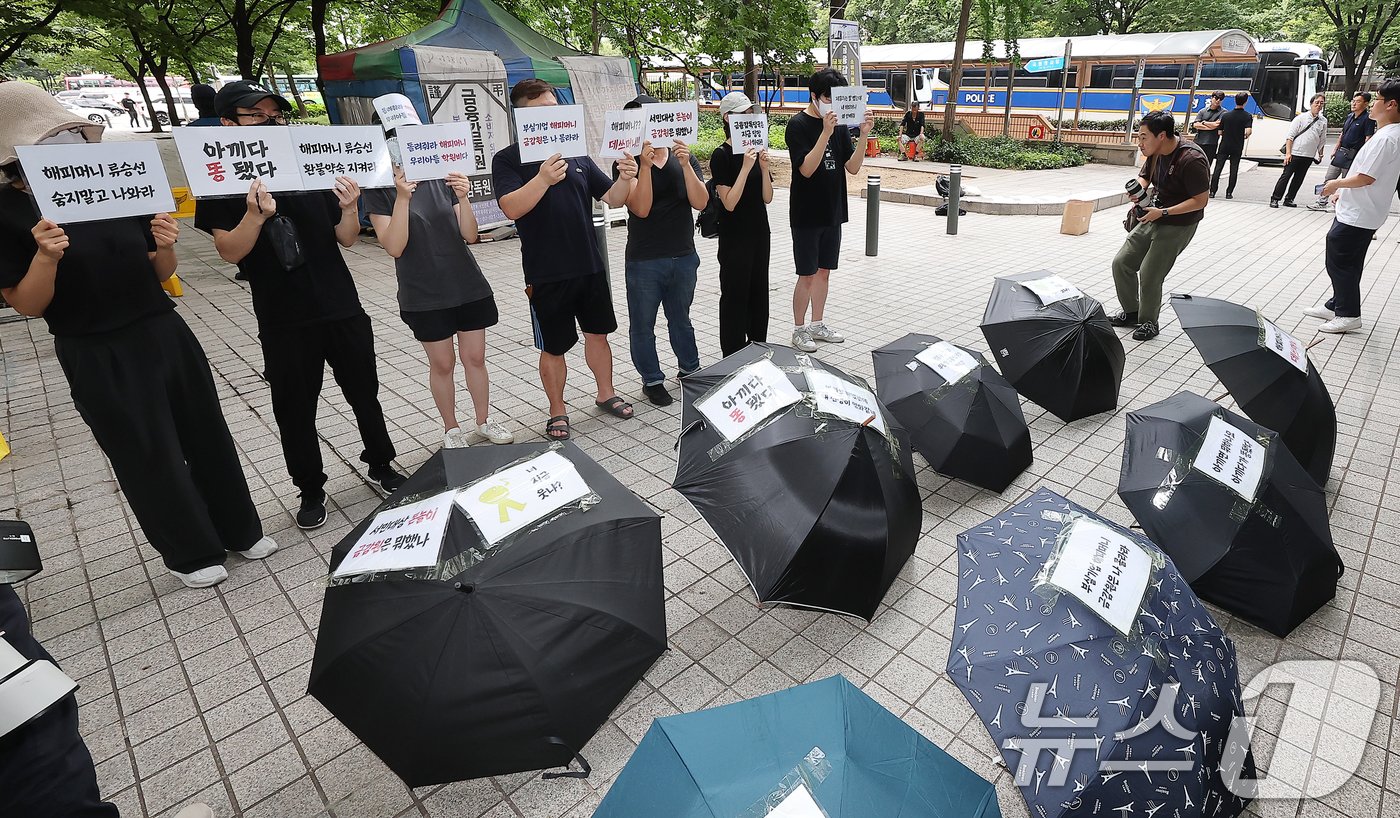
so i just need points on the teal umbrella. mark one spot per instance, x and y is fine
(824, 744)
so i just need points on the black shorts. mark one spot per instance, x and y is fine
(556, 306)
(439, 325)
(815, 248)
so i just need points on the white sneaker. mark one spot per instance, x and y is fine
(821, 332)
(1339, 325)
(195, 811)
(1319, 312)
(802, 340)
(261, 549)
(493, 431)
(204, 577)
(454, 439)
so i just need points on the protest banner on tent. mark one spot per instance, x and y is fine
(81, 183)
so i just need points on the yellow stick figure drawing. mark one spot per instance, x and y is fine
(499, 496)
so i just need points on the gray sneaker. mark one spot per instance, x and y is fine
(821, 332)
(802, 340)
(1320, 204)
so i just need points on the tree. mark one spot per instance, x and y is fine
(247, 20)
(950, 107)
(1361, 27)
(22, 19)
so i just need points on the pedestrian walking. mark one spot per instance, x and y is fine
(130, 105)
(1301, 148)
(1207, 125)
(744, 183)
(1357, 128)
(1236, 126)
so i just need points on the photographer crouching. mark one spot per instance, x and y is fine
(1178, 176)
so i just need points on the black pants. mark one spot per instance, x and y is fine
(46, 770)
(146, 393)
(296, 359)
(1231, 155)
(1209, 150)
(132, 114)
(1346, 255)
(1292, 178)
(743, 289)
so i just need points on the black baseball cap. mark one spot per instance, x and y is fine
(244, 94)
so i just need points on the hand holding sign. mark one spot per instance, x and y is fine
(750, 157)
(627, 167)
(682, 152)
(461, 186)
(51, 239)
(261, 205)
(554, 169)
(347, 192)
(165, 230)
(402, 187)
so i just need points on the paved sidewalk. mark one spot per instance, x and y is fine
(201, 694)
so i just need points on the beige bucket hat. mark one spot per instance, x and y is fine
(28, 114)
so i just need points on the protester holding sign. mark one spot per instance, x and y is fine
(426, 226)
(139, 379)
(551, 203)
(820, 148)
(308, 309)
(745, 187)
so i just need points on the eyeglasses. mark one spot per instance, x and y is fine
(261, 118)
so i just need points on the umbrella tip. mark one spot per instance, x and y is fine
(464, 587)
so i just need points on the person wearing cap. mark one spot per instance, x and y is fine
(745, 187)
(566, 281)
(821, 149)
(661, 259)
(307, 307)
(202, 96)
(138, 376)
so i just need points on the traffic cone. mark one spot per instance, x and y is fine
(173, 286)
(4, 447)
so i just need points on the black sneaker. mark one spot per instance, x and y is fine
(1229, 195)
(386, 479)
(1287, 203)
(312, 513)
(1124, 319)
(657, 394)
(1146, 331)
(1273, 203)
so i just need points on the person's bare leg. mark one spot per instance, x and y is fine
(472, 347)
(598, 353)
(817, 289)
(553, 371)
(801, 299)
(441, 368)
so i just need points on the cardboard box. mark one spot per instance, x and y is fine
(1075, 222)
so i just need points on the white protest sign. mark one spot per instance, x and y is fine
(745, 399)
(748, 131)
(622, 132)
(1285, 345)
(669, 121)
(837, 396)
(950, 362)
(512, 499)
(798, 804)
(395, 110)
(355, 151)
(1105, 570)
(545, 130)
(1051, 289)
(408, 536)
(1231, 458)
(433, 151)
(225, 161)
(849, 104)
(83, 183)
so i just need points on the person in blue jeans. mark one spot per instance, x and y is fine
(661, 258)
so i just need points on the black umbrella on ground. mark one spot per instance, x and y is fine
(962, 415)
(1227, 501)
(818, 508)
(506, 651)
(1054, 344)
(1268, 373)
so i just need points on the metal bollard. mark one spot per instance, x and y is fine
(954, 197)
(600, 230)
(872, 216)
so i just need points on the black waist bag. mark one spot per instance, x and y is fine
(281, 233)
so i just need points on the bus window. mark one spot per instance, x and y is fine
(1277, 92)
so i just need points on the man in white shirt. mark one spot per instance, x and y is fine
(1363, 203)
(1301, 148)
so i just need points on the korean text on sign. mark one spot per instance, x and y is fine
(1105, 570)
(839, 397)
(549, 129)
(669, 121)
(747, 398)
(395, 111)
(516, 497)
(1231, 458)
(749, 131)
(225, 161)
(849, 104)
(1051, 289)
(622, 133)
(356, 151)
(1283, 344)
(433, 151)
(81, 183)
(950, 362)
(400, 538)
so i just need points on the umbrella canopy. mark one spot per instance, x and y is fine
(1268, 373)
(819, 509)
(962, 415)
(507, 650)
(824, 743)
(1086, 655)
(1061, 353)
(1227, 501)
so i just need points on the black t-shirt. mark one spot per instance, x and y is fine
(1357, 129)
(105, 279)
(668, 231)
(818, 200)
(1232, 126)
(1207, 138)
(436, 271)
(556, 237)
(750, 215)
(913, 124)
(1183, 175)
(321, 289)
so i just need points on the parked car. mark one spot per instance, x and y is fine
(184, 106)
(103, 103)
(97, 115)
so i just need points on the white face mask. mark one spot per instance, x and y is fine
(63, 138)
(823, 108)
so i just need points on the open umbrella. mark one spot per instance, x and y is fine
(962, 415)
(1054, 344)
(1104, 681)
(803, 475)
(1227, 501)
(825, 746)
(505, 651)
(1268, 373)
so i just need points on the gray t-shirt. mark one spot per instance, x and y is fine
(437, 270)
(1207, 115)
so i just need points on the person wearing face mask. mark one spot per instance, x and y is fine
(138, 376)
(307, 307)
